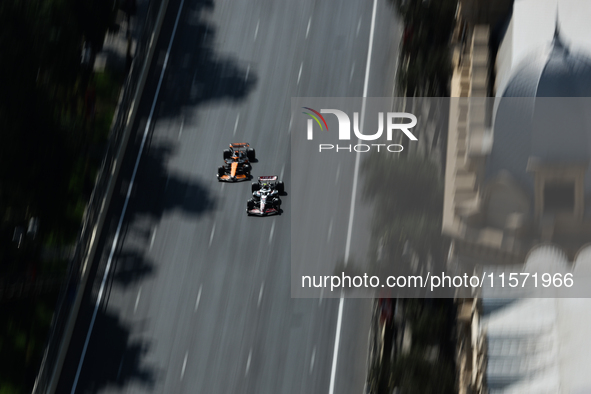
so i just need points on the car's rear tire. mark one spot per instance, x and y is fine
(281, 187)
(250, 154)
(250, 204)
(255, 187)
(227, 154)
(221, 171)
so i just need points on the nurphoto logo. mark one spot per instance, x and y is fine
(345, 130)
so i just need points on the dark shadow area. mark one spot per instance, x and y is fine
(157, 191)
(196, 73)
(131, 267)
(113, 359)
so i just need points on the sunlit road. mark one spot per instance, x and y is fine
(198, 294)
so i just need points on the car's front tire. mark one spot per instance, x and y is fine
(250, 204)
(250, 154)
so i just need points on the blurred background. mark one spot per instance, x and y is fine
(126, 267)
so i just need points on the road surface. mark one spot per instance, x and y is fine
(197, 296)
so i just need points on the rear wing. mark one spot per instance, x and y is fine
(267, 178)
(240, 145)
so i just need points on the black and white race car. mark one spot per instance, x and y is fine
(265, 199)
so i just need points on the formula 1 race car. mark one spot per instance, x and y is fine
(265, 199)
(237, 161)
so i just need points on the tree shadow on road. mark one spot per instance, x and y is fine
(157, 190)
(113, 358)
(196, 72)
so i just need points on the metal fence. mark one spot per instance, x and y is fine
(75, 282)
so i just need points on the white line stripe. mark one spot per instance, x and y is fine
(300, 72)
(272, 229)
(181, 128)
(120, 224)
(247, 72)
(335, 353)
(290, 120)
(256, 31)
(312, 361)
(184, 365)
(153, 237)
(261, 294)
(248, 362)
(137, 300)
(352, 71)
(236, 125)
(198, 298)
(330, 229)
(357, 158)
(282, 169)
(358, 26)
(308, 28)
(352, 210)
(321, 296)
(211, 236)
(336, 178)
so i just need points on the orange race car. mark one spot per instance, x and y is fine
(237, 161)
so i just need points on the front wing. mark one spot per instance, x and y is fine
(228, 178)
(267, 211)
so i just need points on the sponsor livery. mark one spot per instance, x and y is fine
(237, 161)
(265, 199)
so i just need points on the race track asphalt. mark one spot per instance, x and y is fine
(198, 296)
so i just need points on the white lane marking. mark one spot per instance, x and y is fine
(358, 26)
(212, 234)
(260, 294)
(329, 229)
(321, 296)
(352, 210)
(248, 362)
(335, 353)
(312, 360)
(236, 125)
(120, 224)
(181, 128)
(137, 300)
(290, 120)
(184, 364)
(153, 237)
(308, 28)
(282, 169)
(247, 72)
(256, 31)
(198, 298)
(272, 230)
(357, 158)
(300, 72)
(223, 184)
(352, 71)
(336, 178)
